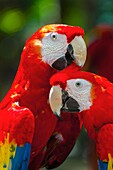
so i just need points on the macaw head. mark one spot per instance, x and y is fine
(76, 91)
(58, 45)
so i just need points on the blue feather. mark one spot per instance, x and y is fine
(22, 156)
(102, 165)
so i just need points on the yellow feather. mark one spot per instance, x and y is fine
(7, 151)
(110, 163)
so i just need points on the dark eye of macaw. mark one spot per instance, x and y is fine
(54, 36)
(78, 84)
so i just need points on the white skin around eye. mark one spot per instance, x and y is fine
(80, 90)
(54, 46)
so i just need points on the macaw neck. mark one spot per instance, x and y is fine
(99, 114)
(30, 87)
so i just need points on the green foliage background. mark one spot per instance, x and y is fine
(19, 19)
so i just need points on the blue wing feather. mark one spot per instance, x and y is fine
(102, 165)
(22, 156)
(15, 154)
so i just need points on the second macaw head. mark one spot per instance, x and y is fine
(76, 91)
(57, 45)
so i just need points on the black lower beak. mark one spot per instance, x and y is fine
(60, 64)
(66, 60)
(69, 104)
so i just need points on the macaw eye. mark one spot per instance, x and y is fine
(54, 36)
(78, 84)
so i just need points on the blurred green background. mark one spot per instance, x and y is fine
(19, 19)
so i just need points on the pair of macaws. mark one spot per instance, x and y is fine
(31, 136)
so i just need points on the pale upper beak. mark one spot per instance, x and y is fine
(55, 99)
(60, 101)
(79, 50)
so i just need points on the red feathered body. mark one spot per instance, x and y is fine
(30, 90)
(98, 119)
(104, 140)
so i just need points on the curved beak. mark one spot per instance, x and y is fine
(55, 100)
(76, 52)
(60, 101)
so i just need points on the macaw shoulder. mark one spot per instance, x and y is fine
(104, 142)
(16, 133)
(100, 113)
(106, 85)
(18, 122)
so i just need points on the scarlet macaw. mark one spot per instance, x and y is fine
(48, 50)
(91, 96)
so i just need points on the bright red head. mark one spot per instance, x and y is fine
(57, 45)
(69, 31)
(73, 72)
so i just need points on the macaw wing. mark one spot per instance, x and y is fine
(102, 165)
(36, 163)
(62, 140)
(16, 132)
(104, 147)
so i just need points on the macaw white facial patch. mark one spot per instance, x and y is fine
(54, 46)
(80, 90)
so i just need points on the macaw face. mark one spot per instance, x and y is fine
(79, 90)
(58, 53)
(57, 45)
(75, 98)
